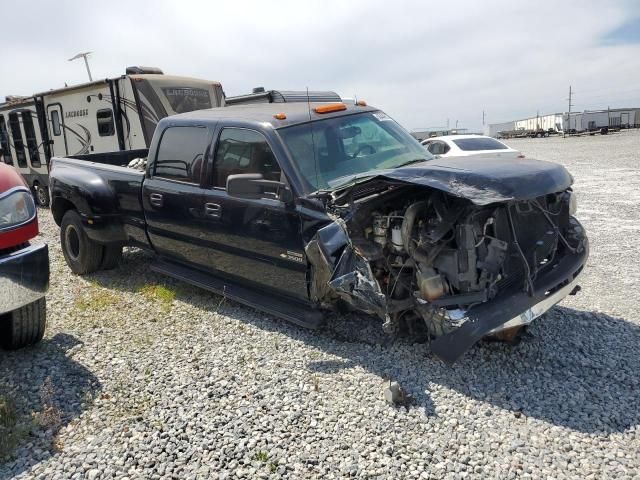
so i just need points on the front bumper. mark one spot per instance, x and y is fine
(513, 307)
(24, 277)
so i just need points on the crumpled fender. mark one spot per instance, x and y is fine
(340, 272)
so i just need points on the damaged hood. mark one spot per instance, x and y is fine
(482, 179)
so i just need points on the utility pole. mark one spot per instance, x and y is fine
(86, 62)
(483, 118)
(569, 114)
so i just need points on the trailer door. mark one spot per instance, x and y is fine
(57, 135)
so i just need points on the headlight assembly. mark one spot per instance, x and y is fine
(16, 208)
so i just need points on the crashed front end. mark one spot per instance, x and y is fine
(461, 262)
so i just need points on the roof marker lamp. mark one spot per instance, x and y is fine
(333, 107)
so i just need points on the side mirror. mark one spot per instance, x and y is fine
(253, 185)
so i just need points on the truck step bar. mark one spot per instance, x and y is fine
(292, 311)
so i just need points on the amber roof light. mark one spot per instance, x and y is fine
(333, 107)
(280, 116)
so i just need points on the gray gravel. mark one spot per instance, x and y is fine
(198, 387)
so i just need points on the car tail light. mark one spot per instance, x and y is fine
(16, 208)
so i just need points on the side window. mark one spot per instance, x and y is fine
(32, 141)
(4, 142)
(55, 123)
(243, 151)
(18, 144)
(180, 154)
(106, 127)
(446, 148)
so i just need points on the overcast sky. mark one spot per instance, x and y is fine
(422, 62)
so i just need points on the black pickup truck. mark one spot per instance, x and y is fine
(297, 208)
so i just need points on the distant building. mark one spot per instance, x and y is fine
(424, 133)
(577, 121)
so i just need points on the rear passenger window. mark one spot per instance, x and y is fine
(106, 127)
(180, 154)
(243, 151)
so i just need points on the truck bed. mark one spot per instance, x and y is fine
(120, 159)
(114, 202)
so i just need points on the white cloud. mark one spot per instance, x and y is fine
(422, 62)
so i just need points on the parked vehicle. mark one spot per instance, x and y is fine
(296, 208)
(105, 115)
(469, 145)
(24, 268)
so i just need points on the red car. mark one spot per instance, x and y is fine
(24, 268)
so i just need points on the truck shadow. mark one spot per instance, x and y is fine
(42, 389)
(579, 370)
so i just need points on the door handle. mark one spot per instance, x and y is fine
(212, 210)
(156, 199)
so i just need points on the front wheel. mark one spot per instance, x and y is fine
(82, 254)
(24, 326)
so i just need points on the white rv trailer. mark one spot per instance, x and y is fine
(21, 142)
(101, 116)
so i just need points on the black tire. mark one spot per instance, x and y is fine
(111, 258)
(24, 326)
(82, 254)
(41, 194)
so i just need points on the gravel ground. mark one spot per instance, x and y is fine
(143, 377)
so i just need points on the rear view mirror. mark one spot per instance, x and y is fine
(253, 185)
(350, 132)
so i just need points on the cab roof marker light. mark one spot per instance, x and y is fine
(361, 103)
(333, 107)
(280, 116)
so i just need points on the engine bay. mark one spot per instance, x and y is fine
(434, 256)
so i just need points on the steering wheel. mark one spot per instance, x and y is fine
(364, 146)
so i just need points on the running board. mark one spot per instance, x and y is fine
(291, 311)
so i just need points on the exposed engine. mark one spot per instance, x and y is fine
(436, 257)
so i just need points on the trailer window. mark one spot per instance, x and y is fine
(243, 151)
(180, 154)
(55, 123)
(32, 141)
(18, 145)
(106, 127)
(4, 142)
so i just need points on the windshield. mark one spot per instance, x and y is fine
(330, 152)
(480, 143)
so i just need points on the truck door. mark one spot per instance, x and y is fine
(172, 196)
(55, 124)
(257, 240)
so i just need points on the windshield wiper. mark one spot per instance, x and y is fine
(410, 162)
